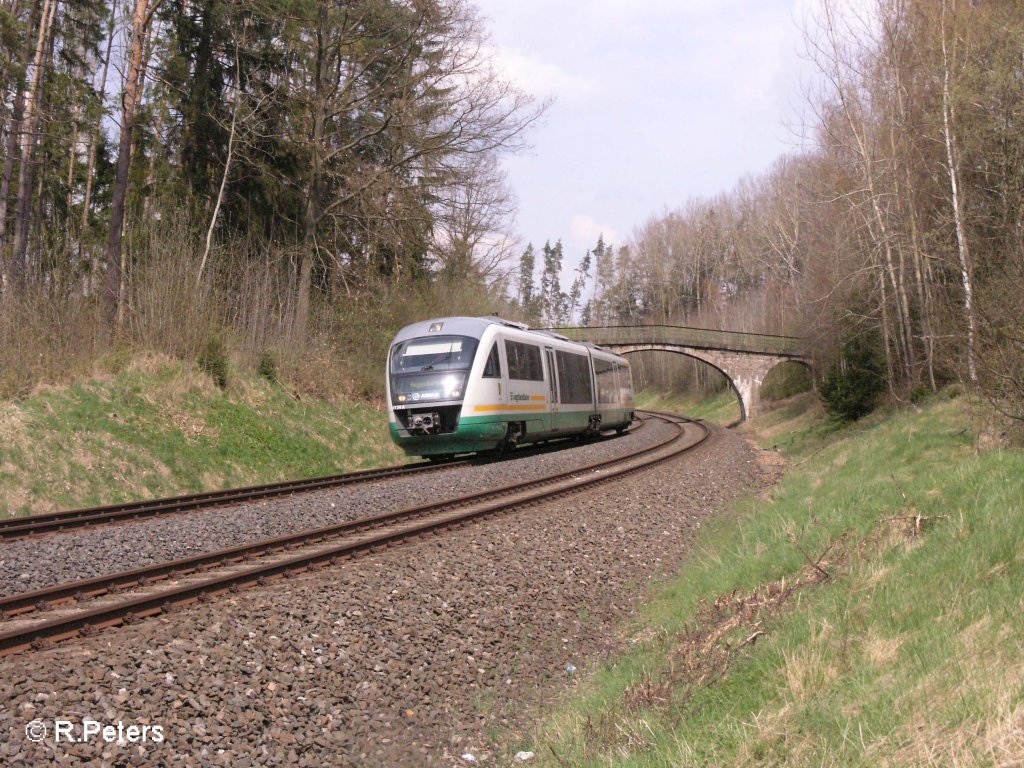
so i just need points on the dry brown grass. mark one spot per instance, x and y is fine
(988, 673)
(46, 335)
(782, 417)
(12, 425)
(697, 657)
(702, 654)
(192, 428)
(880, 650)
(927, 743)
(811, 667)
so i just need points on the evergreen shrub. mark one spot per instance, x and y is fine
(855, 380)
(267, 367)
(213, 359)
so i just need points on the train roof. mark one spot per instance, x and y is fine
(474, 327)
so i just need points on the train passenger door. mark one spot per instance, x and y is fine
(493, 386)
(549, 355)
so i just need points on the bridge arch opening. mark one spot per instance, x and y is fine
(700, 377)
(787, 379)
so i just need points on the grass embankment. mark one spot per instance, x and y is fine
(866, 611)
(722, 408)
(162, 428)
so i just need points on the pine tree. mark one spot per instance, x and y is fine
(554, 303)
(527, 299)
(604, 280)
(576, 290)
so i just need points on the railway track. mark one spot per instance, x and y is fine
(67, 615)
(36, 525)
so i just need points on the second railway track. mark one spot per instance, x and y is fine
(14, 528)
(34, 525)
(279, 557)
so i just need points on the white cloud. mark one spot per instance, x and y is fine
(623, 9)
(657, 101)
(585, 230)
(750, 67)
(543, 78)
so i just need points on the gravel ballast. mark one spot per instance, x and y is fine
(403, 658)
(27, 564)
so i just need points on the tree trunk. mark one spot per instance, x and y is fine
(90, 171)
(72, 151)
(147, 200)
(132, 92)
(26, 172)
(899, 298)
(227, 171)
(14, 128)
(312, 211)
(957, 206)
(889, 368)
(923, 292)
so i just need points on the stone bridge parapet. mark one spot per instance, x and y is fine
(744, 358)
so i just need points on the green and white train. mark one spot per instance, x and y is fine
(471, 384)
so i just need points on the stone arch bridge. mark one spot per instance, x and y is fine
(744, 358)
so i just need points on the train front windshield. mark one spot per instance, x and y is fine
(431, 369)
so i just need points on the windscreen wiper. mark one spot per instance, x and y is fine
(430, 367)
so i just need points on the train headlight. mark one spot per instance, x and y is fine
(401, 398)
(452, 386)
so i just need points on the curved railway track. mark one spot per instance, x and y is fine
(281, 557)
(33, 525)
(52, 522)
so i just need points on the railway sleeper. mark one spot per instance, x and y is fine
(233, 587)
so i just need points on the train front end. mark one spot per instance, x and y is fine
(430, 368)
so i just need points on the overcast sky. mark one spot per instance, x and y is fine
(656, 101)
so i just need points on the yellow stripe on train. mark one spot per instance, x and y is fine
(493, 408)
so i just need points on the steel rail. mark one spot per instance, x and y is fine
(78, 591)
(51, 522)
(21, 527)
(432, 519)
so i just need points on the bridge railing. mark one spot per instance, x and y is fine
(685, 336)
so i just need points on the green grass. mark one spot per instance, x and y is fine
(910, 652)
(162, 428)
(722, 408)
(786, 380)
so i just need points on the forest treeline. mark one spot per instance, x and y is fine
(894, 240)
(296, 178)
(268, 170)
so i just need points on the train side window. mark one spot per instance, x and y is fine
(524, 362)
(607, 384)
(625, 384)
(573, 378)
(492, 370)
